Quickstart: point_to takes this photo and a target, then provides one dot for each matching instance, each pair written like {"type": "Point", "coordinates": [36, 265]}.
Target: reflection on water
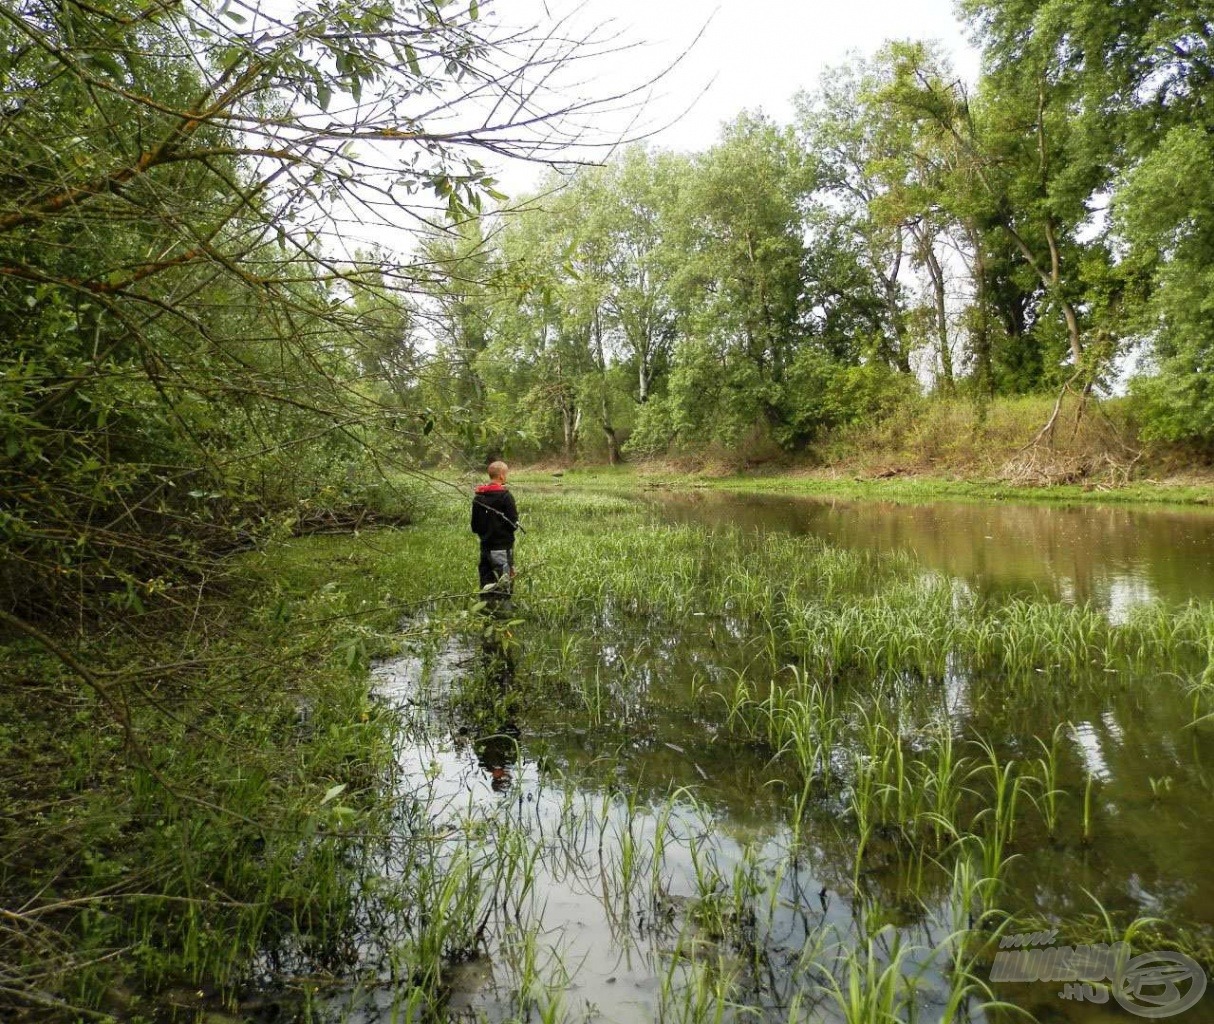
{"type": "Point", "coordinates": [1113, 557]}
{"type": "Point", "coordinates": [627, 854]}
{"type": "Point", "coordinates": [623, 876]}
{"type": "Point", "coordinates": [639, 817]}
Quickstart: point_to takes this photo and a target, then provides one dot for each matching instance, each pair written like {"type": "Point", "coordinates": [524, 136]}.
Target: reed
{"type": "Point", "coordinates": [1046, 799]}
{"type": "Point", "coordinates": [867, 988]}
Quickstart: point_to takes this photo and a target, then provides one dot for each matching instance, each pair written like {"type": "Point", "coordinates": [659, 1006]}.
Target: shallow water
{"type": "Point", "coordinates": [667, 879]}
{"type": "Point", "coordinates": [1112, 556]}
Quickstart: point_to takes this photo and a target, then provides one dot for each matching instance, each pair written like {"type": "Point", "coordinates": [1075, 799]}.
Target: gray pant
{"type": "Point", "coordinates": [496, 570]}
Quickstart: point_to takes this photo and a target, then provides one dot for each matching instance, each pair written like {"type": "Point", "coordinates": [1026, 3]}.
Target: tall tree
{"type": "Point", "coordinates": [739, 287]}
{"type": "Point", "coordinates": [1039, 166]}
{"type": "Point", "coordinates": [841, 127]}
{"type": "Point", "coordinates": [637, 203]}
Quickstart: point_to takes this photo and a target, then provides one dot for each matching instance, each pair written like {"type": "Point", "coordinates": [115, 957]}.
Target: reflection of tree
{"type": "Point", "coordinates": [1076, 553]}
{"type": "Point", "coordinates": [669, 734]}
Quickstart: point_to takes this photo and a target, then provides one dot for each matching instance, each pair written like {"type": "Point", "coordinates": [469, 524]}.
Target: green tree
{"type": "Point", "coordinates": [1040, 157]}
{"type": "Point", "coordinates": [739, 290]}
{"type": "Point", "coordinates": [841, 127]}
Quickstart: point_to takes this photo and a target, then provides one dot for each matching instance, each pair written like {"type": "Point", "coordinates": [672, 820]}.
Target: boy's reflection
{"type": "Point", "coordinates": [496, 756]}
{"type": "Point", "coordinates": [497, 753]}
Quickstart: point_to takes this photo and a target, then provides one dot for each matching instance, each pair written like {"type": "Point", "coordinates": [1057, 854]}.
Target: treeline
{"type": "Point", "coordinates": [1048, 231]}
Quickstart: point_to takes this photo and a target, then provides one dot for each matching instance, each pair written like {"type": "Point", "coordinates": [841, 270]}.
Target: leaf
{"type": "Point", "coordinates": [333, 792]}
{"type": "Point", "coordinates": [474, 10]}
{"type": "Point", "coordinates": [235, 16]}
{"type": "Point", "coordinates": [414, 64]}
{"type": "Point", "coordinates": [324, 93]}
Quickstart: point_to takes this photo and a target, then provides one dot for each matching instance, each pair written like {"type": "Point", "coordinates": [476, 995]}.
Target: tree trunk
{"type": "Point", "coordinates": [644, 358]}
{"type": "Point", "coordinates": [980, 335]}
{"type": "Point", "coordinates": [613, 445]}
{"type": "Point", "coordinates": [936, 273]}
{"type": "Point", "coordinates": [889, 285]}
{"type": "Point", "coordinates": [568, 427]}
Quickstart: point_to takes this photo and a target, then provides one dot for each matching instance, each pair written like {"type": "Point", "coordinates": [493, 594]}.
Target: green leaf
{"type": "Point", "coordinates": [474, 10]}
{"type": "Point", "coordinates": [324, 93]}
{"type": "Point", "coordinates": [334, 792]}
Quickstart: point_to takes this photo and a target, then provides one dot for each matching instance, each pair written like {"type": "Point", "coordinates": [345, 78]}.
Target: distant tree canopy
{"type": "Point", "coordinates": [1028, 234]}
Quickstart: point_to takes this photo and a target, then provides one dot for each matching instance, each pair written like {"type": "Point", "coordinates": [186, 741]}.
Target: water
{"type": "Point", "coordinates": [1111, 556]}
{"type": "Point", "coordinates": [666, 876]}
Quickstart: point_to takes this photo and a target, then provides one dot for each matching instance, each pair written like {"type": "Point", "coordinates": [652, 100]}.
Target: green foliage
{"type": "Point", "coordinates": [1134, 85]}
{"type": "Point", "coordinates": [826, 396]}
{"type": "Point", "coordinates": [1166, 209]}
{"type": "Point", "coordinates": [957, 235]}
{"type": "Point", "coordinates": [217, 820]}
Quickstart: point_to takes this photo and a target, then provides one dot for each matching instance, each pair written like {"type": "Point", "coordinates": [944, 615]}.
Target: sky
{"type": "Point", "coordinates": [731, 55]}
{"type": "Point", "coordinates": [685, 67]}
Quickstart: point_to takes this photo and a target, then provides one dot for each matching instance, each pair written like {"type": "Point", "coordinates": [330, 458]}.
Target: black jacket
{"type": "Point", "coordinates": [494, 517]}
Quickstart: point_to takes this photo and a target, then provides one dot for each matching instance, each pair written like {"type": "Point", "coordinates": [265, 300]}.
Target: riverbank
{"type": "Point", "coordinates": [942, 448]}
{"type": "Point", "coordinates": [185, 792]}
{"type": "Point", "coordinates": [1194, 490]}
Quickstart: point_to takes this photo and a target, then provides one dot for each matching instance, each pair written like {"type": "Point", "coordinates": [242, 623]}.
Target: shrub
{"type": "Point", "coordinates": [822, 395]}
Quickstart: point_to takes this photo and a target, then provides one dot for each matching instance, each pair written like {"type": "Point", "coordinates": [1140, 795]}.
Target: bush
{"type": "Point", "coordinates": [822, 395]}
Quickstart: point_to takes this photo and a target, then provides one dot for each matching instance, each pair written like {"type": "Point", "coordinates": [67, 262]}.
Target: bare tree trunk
{"type": "Point", "coordinates": [981, 334]}
{"type": "Point", "coordinates": [613, 445]}
{"type": "Point", "coordinates": [569, 428]}
{"type": "Point", "coordinates": [889, 286]}
{"type": "Point", "coordinates": [936, 273]}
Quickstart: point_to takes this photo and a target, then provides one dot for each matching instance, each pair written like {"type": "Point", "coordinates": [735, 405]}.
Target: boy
{"type": "Point", "coordinates": [494, 520]}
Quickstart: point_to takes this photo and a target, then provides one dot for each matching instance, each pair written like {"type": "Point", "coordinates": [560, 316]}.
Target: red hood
{"type": "Point", "coordinates": [489, 488]}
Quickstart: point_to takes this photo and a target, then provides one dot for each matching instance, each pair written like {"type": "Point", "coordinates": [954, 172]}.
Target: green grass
{"type": "Point", "coordinates": [910, 489]}
{"type": "Point", "coordinates": [211, 809]}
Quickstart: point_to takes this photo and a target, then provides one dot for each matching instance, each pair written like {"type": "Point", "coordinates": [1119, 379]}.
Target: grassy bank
{"type": "Point", "coordinates": [184, 791]}
{"type": "Point", "coordinates": [810, 482]}
{"type": "Point", "coordinates": [939, 447]}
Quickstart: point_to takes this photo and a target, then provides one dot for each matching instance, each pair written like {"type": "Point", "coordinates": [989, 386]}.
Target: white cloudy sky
{"type": "Point", "coordinates": [749, 54]}
{"type": "Point", "coordinates": [712, 59]}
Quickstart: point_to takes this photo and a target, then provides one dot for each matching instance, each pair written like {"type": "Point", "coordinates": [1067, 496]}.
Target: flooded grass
{"type": "Point", "coordinates": [704, 775]}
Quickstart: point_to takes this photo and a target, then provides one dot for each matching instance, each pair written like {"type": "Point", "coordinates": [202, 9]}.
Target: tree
{"type": "Point", "coordinates": [841, 127]}
{"type": "Point", "coordinates": [739, 286]}
{"type": "Point", "coordinates": [1041, 159]}
{"type": "Point", "coordinates": [177, 179]}
{"type": "Point", "coordinates": [638, 201]}
{"type": "Point", "coordinates": [545, 321]}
